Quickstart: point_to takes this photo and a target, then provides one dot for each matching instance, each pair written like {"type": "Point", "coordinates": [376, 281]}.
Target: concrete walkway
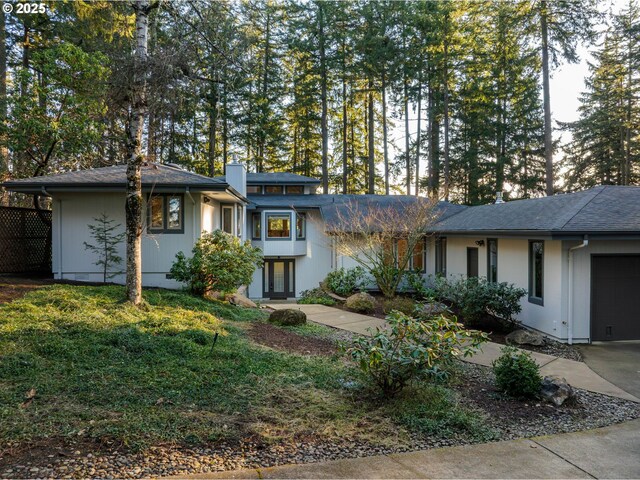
{"type": "Point", "coordinates": [610, 452]}
{"type": "Point", "coordinates": [578, 374]}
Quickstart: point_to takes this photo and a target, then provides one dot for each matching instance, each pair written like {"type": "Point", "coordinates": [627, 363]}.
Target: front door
{"type": "Point", "coordinates": [472, 262]}
{"type": "Point", "coordinates": [279, 278]}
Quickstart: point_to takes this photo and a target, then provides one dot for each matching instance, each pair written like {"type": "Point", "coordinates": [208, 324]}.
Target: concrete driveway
{"type": "Point", "coordinates": [617, 362]}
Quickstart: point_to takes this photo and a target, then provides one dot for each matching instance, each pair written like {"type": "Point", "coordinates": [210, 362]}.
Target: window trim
{"type": "Point", "coordinates": [302, 215]}
{"type": "Point", "coordinates": [489, 241]}
{"type": "Point", "coordinates": [165, 213]}
{"type": "Point", "coordinates": [266, 224]}
{"type": "Point", "coordinates": [253, 226]}
{"type": "Point", "coordinates": [222, 209]}
{"type": "Point", "coordinates": [531, 298]}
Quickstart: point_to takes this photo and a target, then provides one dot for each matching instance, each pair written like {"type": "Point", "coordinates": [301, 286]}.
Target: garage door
{"type": "Point", "coordinates": [615, 297]}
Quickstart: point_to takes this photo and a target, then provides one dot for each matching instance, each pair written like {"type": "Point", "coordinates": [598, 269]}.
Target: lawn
{"type": "Point", "coordinates": [111, 374]}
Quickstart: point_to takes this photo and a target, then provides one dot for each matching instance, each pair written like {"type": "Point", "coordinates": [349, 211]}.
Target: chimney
{"type": "Point", "coordinates": [236, 175]}
{"type": "Point", "coordinates": [499, 198]}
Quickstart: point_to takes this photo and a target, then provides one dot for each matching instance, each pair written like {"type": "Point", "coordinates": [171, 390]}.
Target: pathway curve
{"type": "Point", "coordinates": [578, 374]}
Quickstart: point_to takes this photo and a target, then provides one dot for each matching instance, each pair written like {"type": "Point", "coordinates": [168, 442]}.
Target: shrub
{"type": "Point", "coordinates": [361, 302]}
{"type": "Point", "coordinates": [220, 262]}
{"type": "Point", "coordinates": [346, 281]}
{"type": "Point", "coordinates": [517, 374]}
{"type": "Point", "coordinates": [316, 296]}
{"type": "Point", "coordinates": [408, 349]}
{"type": "Point", "coordinates": [416, 284]}
{"type": "Point", "coordinates": [401, 304]}
{"type": "Point", "coordinates": [476, 297]}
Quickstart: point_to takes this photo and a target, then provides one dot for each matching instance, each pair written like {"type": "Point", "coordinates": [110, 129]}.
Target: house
{"type": "Point", "coordinates": [577, 255]}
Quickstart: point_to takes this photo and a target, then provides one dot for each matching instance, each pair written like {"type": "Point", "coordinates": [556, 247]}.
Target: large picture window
{"type": "Point", "coordinates": [279, 226]}
{"type": "Point", "coordinates": [536, 271]}
{"type": "Point", "coordinates": [165, 213]}
{"type": "Point", "coordinates": [396, 250]}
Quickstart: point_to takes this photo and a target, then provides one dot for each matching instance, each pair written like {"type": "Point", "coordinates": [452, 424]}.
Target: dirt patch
{"type": "Point", "coordinates": [280, 339]}
{"type": "Point", "coordinates": [14, 288]}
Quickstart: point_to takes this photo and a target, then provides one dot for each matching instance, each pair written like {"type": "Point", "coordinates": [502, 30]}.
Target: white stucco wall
{"type": "Point", "coordinates": [72, 213]}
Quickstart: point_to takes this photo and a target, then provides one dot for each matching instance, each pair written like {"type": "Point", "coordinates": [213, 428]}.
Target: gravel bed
{"type": "Point", "coordinates": [509, 418]}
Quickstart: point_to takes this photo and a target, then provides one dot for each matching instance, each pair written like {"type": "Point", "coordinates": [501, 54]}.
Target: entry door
{"type": "Point", "coordinates": [472, 262]}
{"type": "Point", "coordinates": [615, 298]}
{"type": "Point", "coordinates": [279, 278]}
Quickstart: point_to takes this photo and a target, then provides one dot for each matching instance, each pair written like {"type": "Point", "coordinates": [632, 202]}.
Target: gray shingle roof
{"type": "Point", "coordinates": [277, 178]}
{"type": "Point", "coordinates": [331, 205]}
{"type": "Point", "coordinates": [603, 209]}
{"type": "Point", "coordinates": [153, 175]}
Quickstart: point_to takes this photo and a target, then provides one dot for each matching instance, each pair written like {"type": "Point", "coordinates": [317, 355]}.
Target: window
{"type": "Point", "coordinates": [227, 219]}
{"type": "Point", "coordinates": [279, 226]}
{"type": "Point", "coordinates": [472, 262]}
{"type": "Point", "coordinates": [536, 271]}
{"type": "Point", "coordinates": [417, 262]}
{"type": "Point", "coordinates": [256, 226]}
{"type": "Point", "coordinates": [165, 213]}
{"type": "Point", "coordinates": [301, 226]}
{"type": "Point", "coordinates": [492, 260]}
{"type": "Point", "coordinates": [273, 189]}
{"type": "Point", "coordinates": [239, 222]}
{"type": "Point", "coordinates": [254, 189]}
{"type": "Point", "coordinates": [441, 256]}
{"type": "Point", "coordinates": [295, 190]}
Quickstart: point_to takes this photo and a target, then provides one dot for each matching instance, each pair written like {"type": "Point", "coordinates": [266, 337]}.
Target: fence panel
{"type": "Point", "coordinates": [25, 240]}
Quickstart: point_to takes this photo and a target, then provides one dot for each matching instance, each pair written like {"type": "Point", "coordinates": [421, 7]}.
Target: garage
{"type": "Point", "coordinates": [615, 297]}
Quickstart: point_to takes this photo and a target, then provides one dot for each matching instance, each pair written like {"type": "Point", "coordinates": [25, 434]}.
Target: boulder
{"type": "Point", "coordinates": [524, 337]}
{"type": "Point", "coordinates": [288, 317]}
{"type": "Point", "coordinates": [361, 302]}
{"type": "Point", "coordinates": [432, 309]}
{"type": "Point", "coordinates": [556, 390]}
{"type": "Point", "coordinates": [241, 301]}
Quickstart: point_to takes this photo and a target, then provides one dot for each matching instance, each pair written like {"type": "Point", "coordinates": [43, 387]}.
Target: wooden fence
{"type": "Point", "coordinates": [25, 240]}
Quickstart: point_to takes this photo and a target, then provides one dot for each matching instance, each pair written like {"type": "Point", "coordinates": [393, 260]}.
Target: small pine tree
{"type": "Point", "coordinates": [106, 242]}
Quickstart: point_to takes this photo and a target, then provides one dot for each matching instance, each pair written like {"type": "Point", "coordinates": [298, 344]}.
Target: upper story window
{"type": "Point", "coordinates": [536, 271]}
{"type": "Point", "coordinates": [256, 226]}
{"type": "Point", "coordinates": [273, 189]}
{"type": "Point", "coordinates": [301, 226]}
{"type": "Point", "coordinates": [279, 226]}
{"type": "Point", "coordinates": [295, 189]}
{"type": "Point", "coordinates": [166, 213]}
{"type": "Point", "coordinates": [227, 219]}
{"type": "Point", "coordinates": [441, 256]}
{"type": "Point", "coordinates": [492, 260]}
{"type": "Point", "coordinates": [254, 188]}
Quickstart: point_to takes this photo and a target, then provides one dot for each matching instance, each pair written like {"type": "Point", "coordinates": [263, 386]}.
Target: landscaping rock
{"type": "Point", "coordinates": [361, 302]}
{"type": "Point", "coordinates": [556, 390]}
{"type": "Point", "coordinates": [524, 337]}
{"type": "Point", "coordinates": [288, 317]}
{"type": "Point", "coordinates": [433, 309]}
{"type": "Point", "coordinates": [241, 301]}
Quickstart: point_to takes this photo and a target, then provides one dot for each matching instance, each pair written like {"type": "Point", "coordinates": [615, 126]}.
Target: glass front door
{"type": "Point", "coordinates": [279, 278]}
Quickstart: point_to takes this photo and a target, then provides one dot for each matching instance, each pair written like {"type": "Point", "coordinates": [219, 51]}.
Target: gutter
{"type": "Point", "coordinates": [585, 242]}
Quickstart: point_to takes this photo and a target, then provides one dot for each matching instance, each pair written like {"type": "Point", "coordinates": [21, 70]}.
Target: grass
{"type": "Point", "coordinates": [104, 370]}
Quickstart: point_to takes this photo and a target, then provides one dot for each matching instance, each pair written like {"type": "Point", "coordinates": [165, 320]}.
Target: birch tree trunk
{"type": "Point", "coordinates": [134, 130]}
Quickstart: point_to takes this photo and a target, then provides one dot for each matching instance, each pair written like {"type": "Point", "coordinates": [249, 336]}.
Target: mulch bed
{"type": "Point", "coordinates": [280, 339]}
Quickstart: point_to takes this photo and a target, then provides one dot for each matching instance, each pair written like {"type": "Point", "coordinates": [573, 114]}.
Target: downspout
{"type": "Point", "coordinates": [193, 214]}
{"type": "Point", "coordinates": [585, 242]}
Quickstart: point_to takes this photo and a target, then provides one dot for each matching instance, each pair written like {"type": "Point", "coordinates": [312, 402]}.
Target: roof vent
{"type": "Point", "coordinates": [499, 198]}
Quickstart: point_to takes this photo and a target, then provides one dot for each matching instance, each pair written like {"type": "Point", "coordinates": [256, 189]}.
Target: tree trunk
{"type": "Point", "coordinates": [135, 125]}
{"type": "Point", "coordinates": [548, 141]}
{"type": "Point", "coordinates": [384, 133]}
{"type": "Point", "coordinates": [213, 124]}
{"type": "Point", "coordinates": [370, 133]}
{"type": "Point", "coordinates": [418, 136]}
{"type": "Point", "coordinates": [446, 121]}
{"type": "Point", "coordinates": [323, 96]}
{"type": "Point", "coordinates": [225, 127]}
{"type": "Point", "coordinates": [407, 136]}
{"type": "Point", "coordinates": [4, 152]}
